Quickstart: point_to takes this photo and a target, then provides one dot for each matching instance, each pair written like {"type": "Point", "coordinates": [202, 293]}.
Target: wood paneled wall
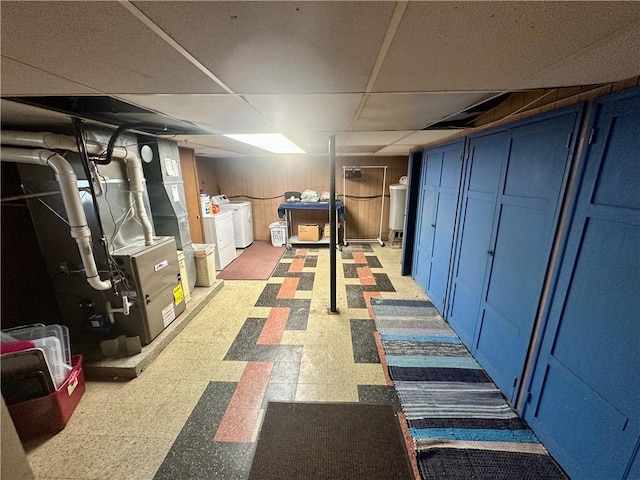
{"type": "Point", "coordinates": [263, 181]}
{"type": "Point", "coordinates": [191, 193]}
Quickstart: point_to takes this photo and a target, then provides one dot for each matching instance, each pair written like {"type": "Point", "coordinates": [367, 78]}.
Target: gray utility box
{"type": "Point", "coordinates": [154, 287]}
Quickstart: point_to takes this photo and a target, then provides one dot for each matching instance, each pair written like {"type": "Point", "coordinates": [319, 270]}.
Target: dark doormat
{"type": "Point", "coordinates": [256, 262]}
{"type": "Point", "coordinates": [314, 441]}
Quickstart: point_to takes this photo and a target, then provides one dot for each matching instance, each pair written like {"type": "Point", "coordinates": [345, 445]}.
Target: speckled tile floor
{"type": "Point", "coordinates": [195, 412]}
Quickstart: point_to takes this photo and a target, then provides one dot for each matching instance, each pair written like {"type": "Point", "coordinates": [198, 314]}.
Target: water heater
{"type": "Point", "coordinates": [398, 194]}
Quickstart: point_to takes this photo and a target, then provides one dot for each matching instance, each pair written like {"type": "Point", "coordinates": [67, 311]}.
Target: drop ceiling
{"type": "Point", "coordinates": [378, 75]}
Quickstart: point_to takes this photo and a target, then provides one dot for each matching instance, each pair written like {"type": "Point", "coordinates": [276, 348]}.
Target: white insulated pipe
{"type": "Point", "coordinates": [64, 142]}
{"type": "Point", "coordinates": [136, 177]}
{"type": "Point", "coordinates": [68, 182]}
{"type": "Point", "coordinates": [38, 140]}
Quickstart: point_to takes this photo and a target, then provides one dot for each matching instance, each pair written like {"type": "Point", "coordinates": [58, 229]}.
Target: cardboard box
{"type": "Point", "coordinates": [309, 232]}
{"type": "Point", "coordinates": [327, 229]}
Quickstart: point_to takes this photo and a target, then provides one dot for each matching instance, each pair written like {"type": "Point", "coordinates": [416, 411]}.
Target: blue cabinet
{"type": "Point", "coordinates": [512, 192]}
{"type": "Point", "coordinates": [440, 182]}
{"type": "Point", "coordinates": [585, 389]}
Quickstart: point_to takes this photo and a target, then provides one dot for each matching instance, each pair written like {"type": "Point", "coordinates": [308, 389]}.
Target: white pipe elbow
{"type": "Point", "coordinates": [98, 284]}
{"type": "Point", "coordinates": [136, 179]}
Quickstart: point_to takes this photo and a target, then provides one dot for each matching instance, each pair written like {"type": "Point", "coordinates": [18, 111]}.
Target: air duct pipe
{"type": "Point", "coordinates": [68, 182]}
{"type": "Point", "coordinates": [63, 142]}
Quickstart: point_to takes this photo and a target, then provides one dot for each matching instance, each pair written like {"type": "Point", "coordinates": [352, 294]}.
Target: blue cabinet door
{"type": "Point", "coordinates": [525, 218]}
{"type": "Point", "coordinates": [585, 389]}
{"type": "Point", "coordinates": [423, 244]}
{"type": "Point", "coordinates": [441, 181]}
{"type": "Point", "coordinates": [511, 202]}
{"type": "Point", "coordinates": [487, 155]}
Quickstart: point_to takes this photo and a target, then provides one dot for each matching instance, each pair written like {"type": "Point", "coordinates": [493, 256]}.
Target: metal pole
{"type": "Point", "coordinates": [332, 222]}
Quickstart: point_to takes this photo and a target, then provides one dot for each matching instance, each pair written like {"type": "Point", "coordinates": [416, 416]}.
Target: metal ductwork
{"type": "Point", "coordinates": [132, 163]}
{"type": "Point", "coordinates": [68, 182]}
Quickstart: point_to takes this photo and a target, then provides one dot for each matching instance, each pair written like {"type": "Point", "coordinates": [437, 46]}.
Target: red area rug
{"type": "Point", "coordinates": [257, 262]}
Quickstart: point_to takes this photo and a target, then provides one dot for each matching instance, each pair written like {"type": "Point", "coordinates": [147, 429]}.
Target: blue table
{"type": "Point", "coordinates": [285, 209]}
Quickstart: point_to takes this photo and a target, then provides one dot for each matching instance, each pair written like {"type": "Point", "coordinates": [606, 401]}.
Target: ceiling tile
{"type": "Point", "coordinates": [294, 113]}
{"type": "Point", "coordinates": [394, 150]}
{"type": "Point", "coordinates": [588, 64]}
{"type": "Point", "coordinates": [97, 44]}
{"type": "Point", "coordinates": [218, 141]}
{"type": "Point", "coordinates": [201, 151]}
{"type": "Point", "coordinates": [375, 138]}
{"type": "Point", "coordinates": [218, 113]}
{"type": "Point", "coordinates": [18, 115]}
{"type": "Point", "coordinates": [448, 46]}
{"type": "Point", "coordinates": [364, 149]}
{"type": "Point", "coordinates": [279, 47]}
{"type": "Point", "coordinates": [424, 137]}
{"type": "Point", "coordinates": [21, 79]}
{"type": "Point", "coordinates": [412, 111]}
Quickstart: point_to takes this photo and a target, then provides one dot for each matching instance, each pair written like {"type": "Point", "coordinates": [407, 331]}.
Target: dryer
{"type": "Point", "coordinates": [218, 229]}
{"type": "Point", "coordinates": [242, 219]}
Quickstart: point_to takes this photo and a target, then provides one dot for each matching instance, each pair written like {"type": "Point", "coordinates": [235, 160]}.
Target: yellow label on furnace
{"type": "Point", "coordinates": [178, 295]}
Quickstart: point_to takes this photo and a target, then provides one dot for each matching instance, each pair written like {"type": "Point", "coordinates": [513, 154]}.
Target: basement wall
{"type": "Point", "coordinates": [263, 181]}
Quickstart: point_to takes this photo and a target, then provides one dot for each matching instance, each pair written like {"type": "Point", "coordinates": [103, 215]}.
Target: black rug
{"type": "Point", "coordinates": [314, 441]}
{"type": "Point", "coordinates": [454, 464]}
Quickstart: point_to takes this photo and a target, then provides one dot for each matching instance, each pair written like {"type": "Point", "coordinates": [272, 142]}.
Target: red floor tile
{"type": "Point", "coordinates": [359, 257]}
{"type": "Point", "coordinates": [296, 265]}
{"type": "Point", "coordinates": [239, 420]}
{"type": "Point", "coordinates": [274, 326]}
{"type": "Point", "coordinates": [288, 288]}
{"type": "Point", "coordinates": [367, 299]}
{"type": "Point", "coordinates": [365, 276]}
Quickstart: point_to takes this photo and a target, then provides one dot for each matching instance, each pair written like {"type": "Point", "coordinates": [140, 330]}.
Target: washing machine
{"type": "Point", "coordinates": [242, 219]}
{"type": "Point", "coordinates": [218, 229]}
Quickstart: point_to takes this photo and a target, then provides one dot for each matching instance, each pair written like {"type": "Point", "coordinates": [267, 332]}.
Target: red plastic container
{"type": "Point", "coordinates": [50, 414]}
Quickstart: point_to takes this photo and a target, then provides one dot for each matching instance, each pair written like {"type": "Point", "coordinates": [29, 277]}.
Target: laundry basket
{"type": "Point", "coordinates": [278, 234]}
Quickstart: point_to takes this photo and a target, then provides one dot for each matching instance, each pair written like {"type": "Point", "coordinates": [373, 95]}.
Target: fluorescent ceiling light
{"type": "Point", "coordinates": [272, 142]}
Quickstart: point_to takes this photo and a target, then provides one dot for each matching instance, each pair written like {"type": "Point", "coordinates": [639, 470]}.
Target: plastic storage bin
{"type": "Point", "coordinates": [50, 414]}
{"type": "Point", "coordinates": [205, 264]}
{"type": "Point", "coordinates": [53, 340]}
{"type": "Point", "coordinates": [278, 234]}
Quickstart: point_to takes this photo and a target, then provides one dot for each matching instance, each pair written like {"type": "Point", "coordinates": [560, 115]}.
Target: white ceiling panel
{"type": "Point", "coordinates": [364, 149]}
{"type": "Point", "coordinates": [97, 44]}
{"type": "Point", "coordinates": [219, 113]}
{"type": "Point", "coordinates": [448, 46]}
{"type": "Point", "coordinates": [375, 138]}
{"type": "Point", "coordinates": [21, 79]}
{"type": "Point", "coordinates": [424, 137]}
{"type": "Point", "coordinates": [307, 69]}
{"type": "Point", "coordinates": [279, 47]}
{"type": "Point", "coordinates": [587, 64]}
{"type": "Point", "coordinates": [316, 142]}
{"type": "Point", "coordinates": [17, 115]}
{"type": "Point", "coordinates": [217, 141]}
{"type": "Point", "coordinates": [394, 150]}
{"type": "Point", "coordinates": [412, 111]}
{"type": "Point", "coordinates": [293, 113]}
{"type": "Point", "coordinates": [214, 152]}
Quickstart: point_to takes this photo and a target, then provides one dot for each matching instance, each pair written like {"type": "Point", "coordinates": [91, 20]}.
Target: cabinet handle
{"type": "Point", "coordinates": [433, 225]}
{"type": "Point", "coordinates": [490, 253]}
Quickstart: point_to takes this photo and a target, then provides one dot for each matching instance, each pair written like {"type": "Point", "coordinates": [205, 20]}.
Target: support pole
{"type": "Point", "coordinates": [332, 222]}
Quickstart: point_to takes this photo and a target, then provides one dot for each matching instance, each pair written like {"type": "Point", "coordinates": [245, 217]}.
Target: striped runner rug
{"type": "Point", "coordinates": [460, 423]}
